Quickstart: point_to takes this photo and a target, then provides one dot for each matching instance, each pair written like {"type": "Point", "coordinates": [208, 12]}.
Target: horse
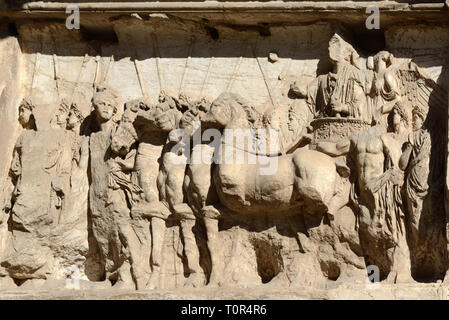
{"type": "Point", "coordinates": [303, 180]}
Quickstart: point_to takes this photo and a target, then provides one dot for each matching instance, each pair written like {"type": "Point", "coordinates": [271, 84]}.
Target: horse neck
{"type": "Point", "coordinates": [233, 126]}
{"type": "Point", "coordinates": [234, 133]}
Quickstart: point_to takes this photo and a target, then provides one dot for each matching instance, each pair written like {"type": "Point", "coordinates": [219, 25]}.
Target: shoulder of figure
{"type": "Point", "coordinates": [25, 135]}
{"type": "Point", "coordinates": [387, 137]}
{"type": "Point", "coordinates": [389, 76]}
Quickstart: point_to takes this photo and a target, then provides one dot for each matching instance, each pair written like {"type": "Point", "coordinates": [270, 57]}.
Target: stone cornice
{"type": "Point", "coordinates": [238, 12]}
{"type": "Point", "coordinates": [222, 7]}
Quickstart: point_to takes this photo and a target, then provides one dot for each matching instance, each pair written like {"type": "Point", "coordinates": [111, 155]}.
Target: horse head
{"type": "Point", "coordinates": [164, 117]}
{"type": "Point", "coordinates": [192, 116]}
{"type": "Point", "coordinates": [230, 110]}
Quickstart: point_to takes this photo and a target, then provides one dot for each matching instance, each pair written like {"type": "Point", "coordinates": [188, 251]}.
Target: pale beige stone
{"type": "Point", "coordinates": [107, 186]}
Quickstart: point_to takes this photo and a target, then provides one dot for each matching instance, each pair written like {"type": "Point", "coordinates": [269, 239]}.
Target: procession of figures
{"type": "Point", "coordinates": [363, 136]}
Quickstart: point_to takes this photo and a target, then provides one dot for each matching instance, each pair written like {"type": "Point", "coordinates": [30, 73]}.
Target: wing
{"type": "Point", "coordinates": [419, 89]}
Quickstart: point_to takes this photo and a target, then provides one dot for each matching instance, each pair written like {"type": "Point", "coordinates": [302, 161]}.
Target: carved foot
{"type": "Point", "coordinates": [195, 280]}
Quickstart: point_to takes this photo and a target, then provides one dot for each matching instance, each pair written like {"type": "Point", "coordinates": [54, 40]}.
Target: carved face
{"type": "Point", "coordinates": [165, 119]}
{"type": "Point", "coordinates": [60, 117]}
{"type": "Point", "coordinates": [73, 120]}
{"type": "Point", "coordinates": [24, 115]}
{"type": "Point", "coordinates": [396, 119]}
{"type": "Point", "coordinates": [417, 121]}
{"type": "Point", "coordinates": [104, 110]}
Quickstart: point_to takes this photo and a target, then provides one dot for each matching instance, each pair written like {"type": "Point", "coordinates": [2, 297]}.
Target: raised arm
{"type": "Point", "coordinates": [392, 89]}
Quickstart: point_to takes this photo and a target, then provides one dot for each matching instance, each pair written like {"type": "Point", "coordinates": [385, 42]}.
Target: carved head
{"type": "Point", "coordinates": [165, 116]}
{"type": "Point", "coordinates": [418, 117]}
{"type": "Point", "coordinates": [230, 108]}
{"type": "Point", "coordinates": [105, 103]}
{"type": "Point", "coordinates": [184, 102]}
{"type": "Point", "coordinates": [194, 113]}
{"type": "Point", "coordinates": [341, 50]}
{"type": "Point", "coordinates": [133, 107]}
{"type": "Point", "coordinates": [166, 96]}
{"type": "Point", "coordinates": [60, 117]}
{"type": "Point", "coordinates": [26, 111]}
{"type": "Point", "coordinates": [75, 117]}
{"type": "Point", "coordinates": [382, 60]}
{"type": "Point", "coordinates": [126, 133]}
{"type": "Point", "coordinates": [399, 115]}
{"type": "Point", "coordinates": [124, 137]}
{"type": "Point", "coordinates": [300, 88]}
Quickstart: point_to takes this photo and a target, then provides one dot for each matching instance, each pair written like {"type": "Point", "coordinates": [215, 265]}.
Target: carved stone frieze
{"type": "Point", "coordinates": [172, 152]}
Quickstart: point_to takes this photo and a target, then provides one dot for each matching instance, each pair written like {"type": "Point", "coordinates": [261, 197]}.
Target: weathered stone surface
{"type": "Point", "coordinates": [171, 148]}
